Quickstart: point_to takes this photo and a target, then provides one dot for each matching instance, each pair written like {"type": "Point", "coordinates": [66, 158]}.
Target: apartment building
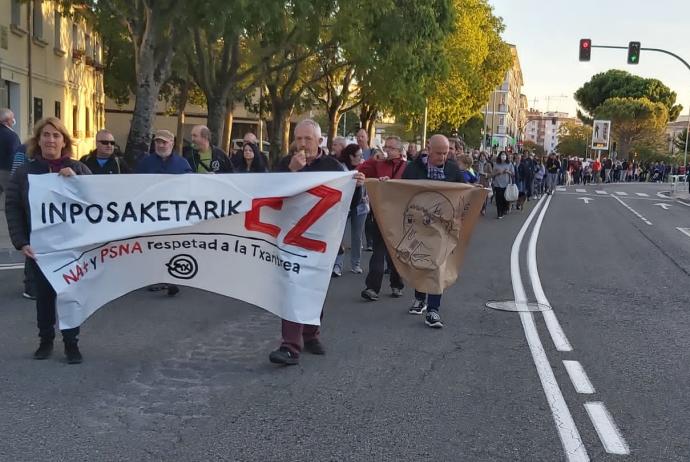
{"type": "Point", "coordinates": [542, 127]}
{"type": "Point", "coordinates": [51, 65]}
{"type": "Point", "coordinates": [505, 109]}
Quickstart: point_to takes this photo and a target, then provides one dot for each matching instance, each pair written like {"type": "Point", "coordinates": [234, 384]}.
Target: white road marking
{"type": "Point", "coordinates": [684, 203]}
{"type": "Point", "coordinates": [557, 335]}
{"type": "Point", "coordinates": [560, 188]}
{"type": "Point", "coordinates": [633, 211]}
{"type": "Point", "coordinates": [664, 206]}
{"type": "Point", "coordinates": [579, 377]}
{"type": "Point", "coordinates": [567, 430]}
{"type": "Point", "coordinates": [608, 432]}
{"type": "Point", "coordinates": [601, 192]}
{"type": "Point", "coordinates": [586, 199]}
{"type": "Point", "coordinates": [642, 194]}
{"type": "Point", "coordinates": [581, 190]}
{"type": "Point", "coordinates": [621, 193]}
{"type": "Point", "coordinates": [685, 231]}
{"type": "Point", "coordinates": [12, 266]}
{"type": "Point", "coordinates": [662, 195]}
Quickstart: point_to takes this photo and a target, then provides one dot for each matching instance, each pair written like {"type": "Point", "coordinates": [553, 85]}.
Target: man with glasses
{"type": "Point", "coordinates": [104, 160]}
{"type": "Point", "coordinates": [392, 167]}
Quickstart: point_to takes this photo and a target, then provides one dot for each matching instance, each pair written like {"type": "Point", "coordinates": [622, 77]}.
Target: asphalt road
{"type": "Point", "coordinates": [188, 378]}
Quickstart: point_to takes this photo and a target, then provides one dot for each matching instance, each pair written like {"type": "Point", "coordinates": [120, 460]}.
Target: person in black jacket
{"type": "Point", "coordinates": [203, 157]}
{"type": "Point", "coordinates": [9, 142]}
{"type": "Point", "coordinates": [104, 160]}
{"type": "Point", "coordinates": [250, 161]}
{"type": "Point", "coordinates": [432, 166]}
{"type": "Point", "coordinates": [308, 158]}
{"type": "Point", "coordinates": [50, 150]}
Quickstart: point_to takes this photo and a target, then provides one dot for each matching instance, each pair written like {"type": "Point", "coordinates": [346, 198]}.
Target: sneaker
{"type": "Point", "coordinates": [357, 269]}
{"type": "Point", "coordinates": [45, 349]}
{"type": "Point", "coordinates": [28, 296]}
{"type": "Point", "coordinates": [72, 353]}
{"type": "Point", "coordinates": [433, 319]}
{"type": "Point", "coordinates": [314, 346]}
{"type": "Point", "coordinates": [337, 272]}
{"type": "Point", "coordinates": [173, 290]}
{"type": "Point", "coordinates": [284, 355]}
{"type": "Point", "coordinates": [418, 307]}
{"type": "Point", "coordinates": [396, 293]}
{"type": "Point", "coordinates": [370, 294]}
{"type": "Point", "coordinates": [369, 248]}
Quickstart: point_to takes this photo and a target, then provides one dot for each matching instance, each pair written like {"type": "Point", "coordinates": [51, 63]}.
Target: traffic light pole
{"type": "Point", "coordinates": [659, 50]}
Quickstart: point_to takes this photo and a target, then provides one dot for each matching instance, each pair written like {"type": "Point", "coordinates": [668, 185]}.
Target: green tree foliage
{"type": "Point", "coordinates": [634, 122]}
{"type": "Point", "coordinates": [477, 61]}
{"type": "Point", "coordinates": [622, 84]}
{"type": "Point", "coordinates": [679, 140]}
{"type": "Point", "coordinates": [574, 139]}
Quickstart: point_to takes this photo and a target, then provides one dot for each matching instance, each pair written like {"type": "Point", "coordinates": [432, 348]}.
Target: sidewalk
{"type": "Point", "coordinates": [7, 252]}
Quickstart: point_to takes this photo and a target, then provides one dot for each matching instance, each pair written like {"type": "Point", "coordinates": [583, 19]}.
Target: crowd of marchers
{"type": "Point", "coordinates": [511, 178]}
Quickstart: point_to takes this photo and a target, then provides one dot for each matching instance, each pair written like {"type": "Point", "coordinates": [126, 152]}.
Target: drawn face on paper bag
{"type": "Point", "coordinates": [429, 231]}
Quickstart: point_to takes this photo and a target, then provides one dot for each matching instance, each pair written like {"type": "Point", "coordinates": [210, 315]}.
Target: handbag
{"type": "Point", "coordinates": [512, 192]}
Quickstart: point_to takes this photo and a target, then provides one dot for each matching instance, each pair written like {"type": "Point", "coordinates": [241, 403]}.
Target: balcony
{"type": "Point", "coordinates": [78, 54]}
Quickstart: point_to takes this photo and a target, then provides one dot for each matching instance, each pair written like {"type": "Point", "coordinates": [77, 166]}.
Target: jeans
{"type": "Point", "coordinates": [501, 203]}
{"type": "Point", "coordinates": [433, 301]}
{"type": "Point", "coordinates": [376, 265]}
{"type": "Point", "coordinates": [45, 309]}
{"type": "Point", "coordinates": [29, 277]}
{"type": "Point", "coordinates": [551, 181]}
{"type": "Point", "coordinates": [356, 228]}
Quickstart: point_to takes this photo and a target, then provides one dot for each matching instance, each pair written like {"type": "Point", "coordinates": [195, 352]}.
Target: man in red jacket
{"type": "Point", "coordinates": [390, 166]}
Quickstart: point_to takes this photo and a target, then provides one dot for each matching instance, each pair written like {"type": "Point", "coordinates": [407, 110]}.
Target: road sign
{"type": "Point", "coordinates": [600, 134]}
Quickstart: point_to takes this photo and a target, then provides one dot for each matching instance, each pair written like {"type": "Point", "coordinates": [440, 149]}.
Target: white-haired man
{"type": "Point", "coordinates": [9, 143]}
{"type": "Point", "coordinates": [308, 158]}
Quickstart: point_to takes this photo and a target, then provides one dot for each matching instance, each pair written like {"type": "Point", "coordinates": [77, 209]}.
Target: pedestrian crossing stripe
{"type": "Point", "coordinates": [581, 190]}
{"type": "Point", "coordinates": [601, 192]}
{"type": "Point", "coordinates": [560, 188]}
{"type": "Point", "coordinates": [621, 193]}
{"type": "Point", "coordinates": [642, 194]}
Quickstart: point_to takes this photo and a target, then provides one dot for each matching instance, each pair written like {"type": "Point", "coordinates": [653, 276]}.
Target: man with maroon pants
{"type": "Point", "coordinates": [309, 158]}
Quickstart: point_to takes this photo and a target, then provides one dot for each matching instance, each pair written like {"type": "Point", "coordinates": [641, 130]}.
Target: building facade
{"type": "Point", "coordinates": [542, 128]}
{"type": "Point", "coordinates": [506, 105]}
{"type": "Point", "coordinates": [673, 129]}
{"type": "Point", "coordinates": [51, 65]}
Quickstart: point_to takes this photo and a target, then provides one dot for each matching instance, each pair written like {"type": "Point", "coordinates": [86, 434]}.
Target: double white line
{"type": "Point", "coordinates": [567, 430]}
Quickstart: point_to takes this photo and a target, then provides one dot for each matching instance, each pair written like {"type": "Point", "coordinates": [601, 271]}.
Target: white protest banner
{"type": "Point", "coordinates": [269, 239]}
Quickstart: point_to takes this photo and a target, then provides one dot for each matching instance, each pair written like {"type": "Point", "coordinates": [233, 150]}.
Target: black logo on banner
{"type": "Point", "coordinates": [182, 267]}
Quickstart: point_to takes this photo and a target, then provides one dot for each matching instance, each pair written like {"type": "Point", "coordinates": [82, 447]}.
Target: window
{"type": "Point", "coordinates": [87, 122]}
{"type": "Point", "coordinates": [58, 31]}
{"type": "Point", "coordinates": [4, 93]}
{"type": "Point", "coordinates": [16, 13]}
{"type": "Point", "coordinates": [75, 121]}
{"type": "Point", "coordinates": [38, 109]}
{"type": "Point", "coordinates": [87, 47]}
{"type": "Point", "coordinates": [58, 109]}
{"type": "Point", "coordinates": [38, 19]}
{"type": "Point", "coordinates": [75, 37]}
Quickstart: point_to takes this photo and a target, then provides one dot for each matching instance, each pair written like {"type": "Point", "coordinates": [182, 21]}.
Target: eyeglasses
{"type": "Point", "coordinates": [107, 143]}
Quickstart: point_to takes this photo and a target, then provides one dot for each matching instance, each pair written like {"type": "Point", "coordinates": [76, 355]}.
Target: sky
{"type": "Point", "coordinates": [547, 35]}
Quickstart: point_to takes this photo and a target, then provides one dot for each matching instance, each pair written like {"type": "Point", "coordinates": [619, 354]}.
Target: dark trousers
{"type": "Point", "coordinates": [501, 202]}
{"type": "Point", "coordinates": [376, 264]}
{"type": "Point", "coordinates": [369, 226]}
{"type": "Point", "coordinates": [45, 309]}
{"type": "Point", "coordinates": [29, 277]}
{"type": "Point", "coordinates": [433, 301]}
{"type": "Point", "coordinates": [294, 334]}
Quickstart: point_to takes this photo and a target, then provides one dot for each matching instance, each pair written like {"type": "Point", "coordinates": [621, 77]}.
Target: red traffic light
{"type": "Point", "coordinates": [585, 49]}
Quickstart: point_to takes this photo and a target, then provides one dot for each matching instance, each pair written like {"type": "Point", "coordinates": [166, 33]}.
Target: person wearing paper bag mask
{"type": "Point", "coordinates": [309, 157]}
{"type": "Point", "coordinates": [434, 220]}
{"type": "Point", "coordinates": [50, 151]}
